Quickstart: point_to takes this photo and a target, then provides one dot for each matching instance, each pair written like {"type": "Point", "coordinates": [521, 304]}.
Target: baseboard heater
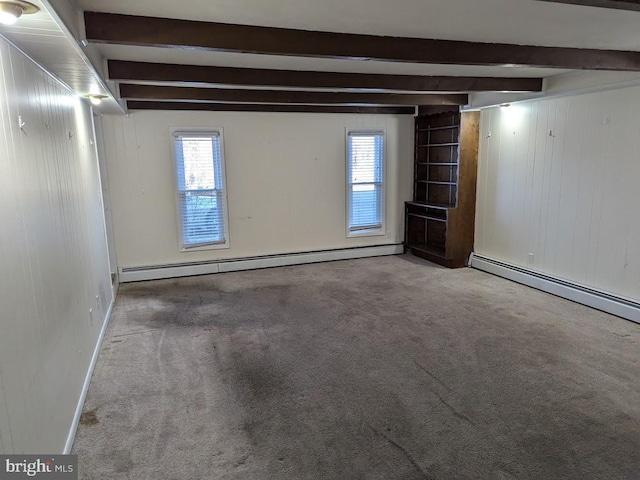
{"type": "Point", "coordinates": [156, 272]}
{"type": "Point", "coordinates": [606, 302]}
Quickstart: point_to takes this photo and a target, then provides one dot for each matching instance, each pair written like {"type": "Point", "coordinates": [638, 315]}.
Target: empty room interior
{"type": "Point", "coordinates": [355, 239]}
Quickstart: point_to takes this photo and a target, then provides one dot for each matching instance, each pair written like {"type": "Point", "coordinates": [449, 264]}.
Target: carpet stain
{"type": "Point", "coordinates": [89, 418]}
{"type": "Point", "coordinates": [369, 369]}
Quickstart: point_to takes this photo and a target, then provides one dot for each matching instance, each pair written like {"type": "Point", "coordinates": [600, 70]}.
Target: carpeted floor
{"type": "Point", "coordinates": [381, 368]}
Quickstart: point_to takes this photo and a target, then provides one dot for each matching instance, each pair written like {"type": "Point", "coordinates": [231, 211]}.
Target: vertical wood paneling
{"type": "Point", "coordinates": [104, 184]}
{"type": "Point", "coordinates": [483, 153]}
{"type": "Point", "coordinates": [555, 185]}
{"type": "Point", "coordinates": [572, 166]}
{"type": "Point", "coordinates": [53, 255]}
{"type": "Point", "coordinates": [536, 165]}
{"type": "Point", "coordinates": [560, 195]}
{"type": "Point", "coordinates": [492, 172]}
{"type": "Point", "coordinates": [588, 186]}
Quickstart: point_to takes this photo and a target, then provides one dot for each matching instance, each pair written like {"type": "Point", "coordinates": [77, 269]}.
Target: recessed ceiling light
{"type": "Point", "coordinates": [11, 11]}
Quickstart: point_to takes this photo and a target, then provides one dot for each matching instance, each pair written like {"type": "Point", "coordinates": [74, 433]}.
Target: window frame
{"type": "Point", "coordinates": [366, 231]}
{"type": "Point", "coordinates": [199, 131]}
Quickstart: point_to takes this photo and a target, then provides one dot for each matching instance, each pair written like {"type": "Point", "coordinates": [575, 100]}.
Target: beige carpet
{"type": "Point", "coordinates": [381, 368]}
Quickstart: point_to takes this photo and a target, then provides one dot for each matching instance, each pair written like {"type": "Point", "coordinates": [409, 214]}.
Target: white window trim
{"type": "Point", "coordinates": [366, 232]}
{"type": "Point", "coordinates": [176, 194]}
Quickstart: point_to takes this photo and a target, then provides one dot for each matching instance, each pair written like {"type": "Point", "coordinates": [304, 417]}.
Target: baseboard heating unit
{"type": "Point", "coordinates": [156, 272]}
{"type": "Point", "coordinates": [606, 302]}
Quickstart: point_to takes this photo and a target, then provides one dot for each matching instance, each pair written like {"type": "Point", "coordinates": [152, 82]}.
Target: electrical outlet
{"type": "Point", "coordinates": [531, 258]}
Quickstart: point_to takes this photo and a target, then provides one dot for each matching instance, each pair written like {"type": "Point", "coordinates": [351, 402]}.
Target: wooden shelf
{"type": "Point", "coordinates": [433, 129]}
{"type": "Point", "coordinates": [427, 217]}
{"type": "Point", "coordinates": [429, 205]}
{"type": "Point", "coordinates": [432, 249]}
{"type": "Point", "coordinates": [439, 145]}
{"type": "Point", "coordinates": [439, 221]}
{"type": "Point", "coordinates": [434, 182]}
{"type": "Point", "coordinates": [437, 164]}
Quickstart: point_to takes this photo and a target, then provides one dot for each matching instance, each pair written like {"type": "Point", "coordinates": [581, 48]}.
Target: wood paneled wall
{"type": "Point", "coordinates": [55, 287]}
{"type": "Point", "coordinates": [558, 189]}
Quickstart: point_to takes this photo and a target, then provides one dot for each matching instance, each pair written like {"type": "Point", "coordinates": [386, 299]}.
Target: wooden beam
{"type": "Point", "coordinates": [198, 74]}
{"type": "Point", "coordinates": [243, 107]}
{"type": "Point", "coordinates": [164, 32]}
{"type": "Point", "coordinates": [436, 109]}
{"type": "Point", "coordinates": [154, 92]}
{"type": "Point", "coordinates": [633, 5]}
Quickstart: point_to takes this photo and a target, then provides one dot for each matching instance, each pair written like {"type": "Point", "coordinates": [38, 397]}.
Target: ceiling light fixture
{"type": "Point", "coordinates": [95, 99]}
{"type": "Point", "coordinates": [11, 11]}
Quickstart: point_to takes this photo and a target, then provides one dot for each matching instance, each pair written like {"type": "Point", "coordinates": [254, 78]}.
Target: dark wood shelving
{"type": "Point", "coordinates": [439, 221]}
{"type": "Point", "coordinates": [430, 205]}
{"type": "Point", "coordinates": [439, 145]}
{"type": "Point", "coordinates": [433, 129]}
{"type": "Point", "coordinates": [436, 182]}
{"type": "Point", "coordinates": [430, 249]}
{"type": "Point", "coordinates": [427, 217]}
{"type": "Point", "coordinates": [437, 164]}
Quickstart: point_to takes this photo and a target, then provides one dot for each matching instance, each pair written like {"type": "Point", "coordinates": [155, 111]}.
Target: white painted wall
{"type": "Point", "coordinates": [53, 256]}
{"type": "Point", "coordinates": [558, 179]}
{"type": "Point", "coordinates": [285, 182]}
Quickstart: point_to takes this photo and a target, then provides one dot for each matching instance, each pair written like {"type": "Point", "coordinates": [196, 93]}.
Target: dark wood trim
{"type": "Point", "coordinates": [155, 92]}
{"type": "Point", "coordinates": [243, 107]}
{"type": "Point", "coordinates": [632, 5]}
{"type": "Point", "coordinates": [165, 32]}
{"type": "Point", "coordinates": [199, 74]}
{"type": "Point", "coordinates": [440, 260]}
{"type": "Point", "coordinates": [435, 109]}
{"type": "Point", "coordinates": [462, 219]}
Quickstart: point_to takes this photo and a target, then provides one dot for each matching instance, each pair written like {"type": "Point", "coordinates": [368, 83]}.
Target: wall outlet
{"type": "Point", "coordinates": [531, 258]}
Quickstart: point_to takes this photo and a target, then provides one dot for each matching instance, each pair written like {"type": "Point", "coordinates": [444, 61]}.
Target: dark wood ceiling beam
{"type": "Point", "coordinates": [632, 5]}
{"type": "Point", "coordinates": [243, 107]}
{"type": "Point", "coordinates": [198, 74]}
{"type": "Point", "coordinates": [154, 92]}
{"type": "Point", "coordinates": [164, 32]}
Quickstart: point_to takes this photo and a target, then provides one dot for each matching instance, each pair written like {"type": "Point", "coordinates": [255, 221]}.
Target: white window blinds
{"type": "Point", "coordinates": [201, 189]}
{"type": "Point", "coordinates": [365, 152]}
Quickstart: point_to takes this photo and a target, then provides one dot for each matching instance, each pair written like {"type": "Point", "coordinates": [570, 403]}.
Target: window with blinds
{"type": "Point", "coordinates": [201, 188]}
{"type": "Point", "coordinates": [365, 182]}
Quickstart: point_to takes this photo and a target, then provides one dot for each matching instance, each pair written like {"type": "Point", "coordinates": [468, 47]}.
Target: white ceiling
{"type": "Point", "coordinates": [509, 21]}
{"type": "Point", "coordinates": [45, 38]}
{"type": "Point", "coordinates": [526, 22]}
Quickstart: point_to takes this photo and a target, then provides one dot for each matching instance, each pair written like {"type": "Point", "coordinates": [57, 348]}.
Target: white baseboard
{"type": "Point", "coordinates": [157, 272]}
{"type": "Point", "coordinates": [87, 380]}
{"type": "Point", "coordinates": [599, 300]}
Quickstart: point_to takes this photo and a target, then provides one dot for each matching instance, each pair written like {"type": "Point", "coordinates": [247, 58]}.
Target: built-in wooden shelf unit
{"type": "Point", "coordinates": [439, 222]}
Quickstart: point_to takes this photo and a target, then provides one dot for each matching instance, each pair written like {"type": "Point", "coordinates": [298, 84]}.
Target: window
{"type": "Point", "coordinates": [365, 183]}
{"type": "Point", "coordinates": [201, 191]}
